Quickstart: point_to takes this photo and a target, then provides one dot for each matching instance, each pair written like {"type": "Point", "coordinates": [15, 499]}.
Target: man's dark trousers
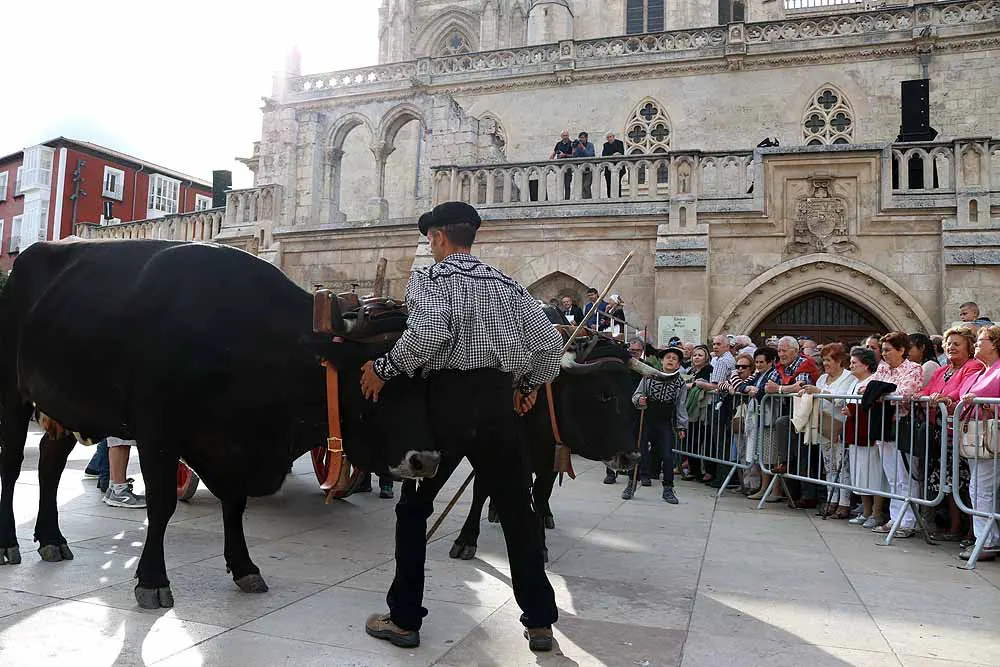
{"type": "Point", "coordinates": [472, 415]}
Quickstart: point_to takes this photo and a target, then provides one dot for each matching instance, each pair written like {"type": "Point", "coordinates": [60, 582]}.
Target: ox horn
{"type": "Point", "coordinates": [646, 370]}
{"type": "Point", "coordinates": [569, 364]}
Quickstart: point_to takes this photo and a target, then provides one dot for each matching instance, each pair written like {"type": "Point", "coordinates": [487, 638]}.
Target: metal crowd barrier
{"type": "Point", "coordinates": [786, 453]}
{"type": "Point", "coordinates": [971, 423]}
{"type": "Point", "coordinates": [716, 434]}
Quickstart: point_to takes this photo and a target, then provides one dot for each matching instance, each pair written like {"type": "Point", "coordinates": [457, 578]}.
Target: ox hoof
{"type": "Point", "coordinates": [463, 551]}
{"type": "Point", "coordinates": [549, 522]}
{"type": "Point", "coordinates": [492, 515]}
{"type": "Point", "coordinates": [54, 553]}
{"type": "Point", "coordinates": [11, 555]}
{"type": "Point", "coordinates": [252, 583]}
{"type": "Point", "coordinates": [154, 598]}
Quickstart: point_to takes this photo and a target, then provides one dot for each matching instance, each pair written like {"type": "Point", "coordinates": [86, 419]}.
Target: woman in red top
{"type": "Point", "coordinates": [943, 387]}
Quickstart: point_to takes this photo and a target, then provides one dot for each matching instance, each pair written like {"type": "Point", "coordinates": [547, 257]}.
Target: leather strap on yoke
{"type": "Point", "coordinates": [337, 474]}
{"type": "Point", "coordinates": [563, 463]}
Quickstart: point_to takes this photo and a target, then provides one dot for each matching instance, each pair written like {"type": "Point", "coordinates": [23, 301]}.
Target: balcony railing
{"type": "Point", "coordinates": [707, 42]}
{"type": "Point", "coordinates": [244, 208]}
{"type": "Point", "coordinates": [635, 178]}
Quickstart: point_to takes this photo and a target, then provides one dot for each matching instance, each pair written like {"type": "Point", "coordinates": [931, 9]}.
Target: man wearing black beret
{"type": "Point", "coordinates": [474, 333]}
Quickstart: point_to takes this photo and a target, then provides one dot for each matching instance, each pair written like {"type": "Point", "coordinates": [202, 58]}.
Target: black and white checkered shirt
{"type": "Point", "coordinates": [463, 315]}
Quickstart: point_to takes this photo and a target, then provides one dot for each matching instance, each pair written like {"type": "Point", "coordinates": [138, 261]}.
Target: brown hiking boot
{"type": "Point", "coordinates": [539, 639]}
{"type": "Point", "coordinates": [381, 626]}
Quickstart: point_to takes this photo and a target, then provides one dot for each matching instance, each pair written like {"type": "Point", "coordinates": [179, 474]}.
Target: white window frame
{"type": "Point", "coordinates": [15, 234]}
{"type": "Point", "coordinates": [202, 202]}
{"type": "Point", "coordinates": [4, 177]}
{"type": "Point", "coordinates": [117, 189]}
{"type": "Point", "coordinates": [38, 163]}
{"type": "Point", "coordinates": [164, 196]}
{"type": "Point", "coordinates": [17, 181]}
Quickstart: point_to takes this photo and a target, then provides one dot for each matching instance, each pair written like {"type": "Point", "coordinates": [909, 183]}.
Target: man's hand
{"type": "Point", "coordinates": [523, 403]}
{"type": "Point", "coordinates": [371, 383]}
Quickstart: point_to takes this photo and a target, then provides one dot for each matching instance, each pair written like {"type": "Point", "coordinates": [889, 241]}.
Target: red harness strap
{"type": "Point", "coordinates": [563, 463]}
{"type": "Point", "coordinates": [338, 474]}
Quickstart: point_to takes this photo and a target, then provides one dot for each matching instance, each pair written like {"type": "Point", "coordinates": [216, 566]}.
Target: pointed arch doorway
{"type": "Point", "coordinates": [823, 316]}
{"type": "Point", "coordinates": [557, 285]}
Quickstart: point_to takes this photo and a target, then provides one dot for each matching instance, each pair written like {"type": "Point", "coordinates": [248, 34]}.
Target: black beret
{"type": "Point", "coordinates": [676, 351]}
{"type": "Point", "coordinates": [449, 213]}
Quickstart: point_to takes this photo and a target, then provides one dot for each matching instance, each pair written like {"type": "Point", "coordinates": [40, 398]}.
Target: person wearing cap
{"type": "Point", "coordinates": [474, 334]}
{"type": "Point", "coordinates": [666, 420]}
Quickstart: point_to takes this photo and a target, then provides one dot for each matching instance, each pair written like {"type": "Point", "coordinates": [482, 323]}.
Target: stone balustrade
{"type": "Point", "coordinates": [245, 209]}
{"type": "Point", "coordinates": [710, 42]}
{"type": "Point", "coordinates": [636, 178]}
{"type": "Point", "coordinates": [934, 169]}
{"type": "Point", "coordinates": [197, 226]}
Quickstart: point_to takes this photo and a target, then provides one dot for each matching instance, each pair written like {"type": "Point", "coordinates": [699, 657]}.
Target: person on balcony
{"type": "Point", "coordinates": [581, 149]}
{"type": "Point", "coordinates": [612, 147]}
{"type": "Point", "coordinates": [564, 150]}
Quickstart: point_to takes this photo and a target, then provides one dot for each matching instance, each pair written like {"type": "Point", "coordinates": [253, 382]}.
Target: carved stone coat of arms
{"type": "Point", "coordinates": [820, 221]}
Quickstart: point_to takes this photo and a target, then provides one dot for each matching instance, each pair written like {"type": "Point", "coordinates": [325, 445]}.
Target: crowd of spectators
{"type": "Point", "coordinates": [716, 407]}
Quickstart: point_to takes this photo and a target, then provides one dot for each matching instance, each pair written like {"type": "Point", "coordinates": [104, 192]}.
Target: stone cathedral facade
{"type": "Point", "coordinates": [839, 225]}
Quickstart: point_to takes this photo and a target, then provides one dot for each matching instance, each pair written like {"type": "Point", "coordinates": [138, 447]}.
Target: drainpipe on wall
{"type": "Point", "coordinates": [135, 191]}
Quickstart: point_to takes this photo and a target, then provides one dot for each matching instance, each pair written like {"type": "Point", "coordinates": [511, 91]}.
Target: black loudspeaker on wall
{"type": "Point", "coordinates": [222, 182]}
{"type": "Point", "coordinates": [916, 111]}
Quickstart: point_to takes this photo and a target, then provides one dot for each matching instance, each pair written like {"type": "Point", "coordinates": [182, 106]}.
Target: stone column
{"type": "Point", "coordinates": [335, 159]}
{"type": "Point", "coordinates": [378, 207]}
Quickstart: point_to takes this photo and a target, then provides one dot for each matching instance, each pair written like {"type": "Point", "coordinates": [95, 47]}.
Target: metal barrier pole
{"type": "Point", "coordinates": [979, 427]}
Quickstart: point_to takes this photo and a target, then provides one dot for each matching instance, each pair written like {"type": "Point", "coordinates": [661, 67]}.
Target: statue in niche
{"type": "Point", "coordinates": [683, 178]}
{"type": "Point", "coordinates": [970, 166]}
{"type": "Point", "coordinates": [820, 222]}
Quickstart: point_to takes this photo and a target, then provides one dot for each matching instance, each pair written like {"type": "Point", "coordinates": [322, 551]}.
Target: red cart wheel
{"type": "Point", "coordinates": [321, 464]}
{"type": "Point", "coordinates": [187, 482]}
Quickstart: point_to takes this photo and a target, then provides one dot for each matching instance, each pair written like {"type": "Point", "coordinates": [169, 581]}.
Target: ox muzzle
{"type": "Point", "coordinates": [417, 465]}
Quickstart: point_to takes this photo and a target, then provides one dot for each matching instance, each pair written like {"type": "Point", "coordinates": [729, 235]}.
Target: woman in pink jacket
{"type": "Point", "coordinates": [983, 485]}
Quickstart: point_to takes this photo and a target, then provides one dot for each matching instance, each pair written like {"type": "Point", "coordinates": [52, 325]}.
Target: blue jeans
{"type": "Point", "coordinates": [99, 462]}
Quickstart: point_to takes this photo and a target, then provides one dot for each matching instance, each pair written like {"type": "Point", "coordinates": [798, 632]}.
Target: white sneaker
{"type": "Point", "coordinates": [124, 498]}
{"type": "Point", "coordinates": [859, 520]}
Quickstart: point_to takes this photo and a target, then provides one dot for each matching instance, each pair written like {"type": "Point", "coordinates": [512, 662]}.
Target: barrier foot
{"type": "Point", "coordinates": [767, 492]}
{"type": "Point", "coordinates": [976, 550]}
{"type": "Point", "coordinates": [895, 526]}
{"type": "Point", "coordinates": [725, 482]}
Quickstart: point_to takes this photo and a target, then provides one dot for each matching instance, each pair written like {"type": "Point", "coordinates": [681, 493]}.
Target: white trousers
{"type": "Point", "coordinates": [838, 470]}
{"type": "Point", "coordinates": [982, 490]}
{"type": "Point", "coordinates": [899, 481]}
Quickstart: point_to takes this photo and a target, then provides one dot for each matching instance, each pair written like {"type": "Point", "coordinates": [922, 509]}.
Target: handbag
{"type": "Point", "coordinates": [922, 435]}
{"type": "Point", "coordinates": [978, 443]}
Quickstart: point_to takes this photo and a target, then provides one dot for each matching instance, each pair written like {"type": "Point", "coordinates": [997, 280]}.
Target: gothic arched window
{"type": "Point", "coordinates": [648, 129]}
{"type": "Point", "coordinates": [454, 43]}
{"type": "Point", "coordinates": [643, 16]}
{"type": "Point", "coordinates": [648, 132]}
{"type": "Point", "coordinates": [828, 119]}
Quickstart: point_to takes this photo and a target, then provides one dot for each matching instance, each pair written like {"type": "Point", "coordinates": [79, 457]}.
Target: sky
{"type": "Point", "coordinates": [176, 83]}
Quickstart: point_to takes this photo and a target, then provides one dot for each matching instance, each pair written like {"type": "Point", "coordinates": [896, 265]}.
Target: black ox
{"type": "Point", "coordinates": [195, 351]}
{"type": "Point", "coordinates": [594, 416]}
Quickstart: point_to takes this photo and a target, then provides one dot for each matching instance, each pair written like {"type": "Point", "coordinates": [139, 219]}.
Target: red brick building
{"type": "Point", "coordinates": [45, 190]}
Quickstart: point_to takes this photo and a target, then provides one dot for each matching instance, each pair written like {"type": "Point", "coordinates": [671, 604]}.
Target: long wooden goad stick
{"type": "Point", "coordinates": [576, 332]}
{"type": "Point", "coordinates": [607, 289]}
